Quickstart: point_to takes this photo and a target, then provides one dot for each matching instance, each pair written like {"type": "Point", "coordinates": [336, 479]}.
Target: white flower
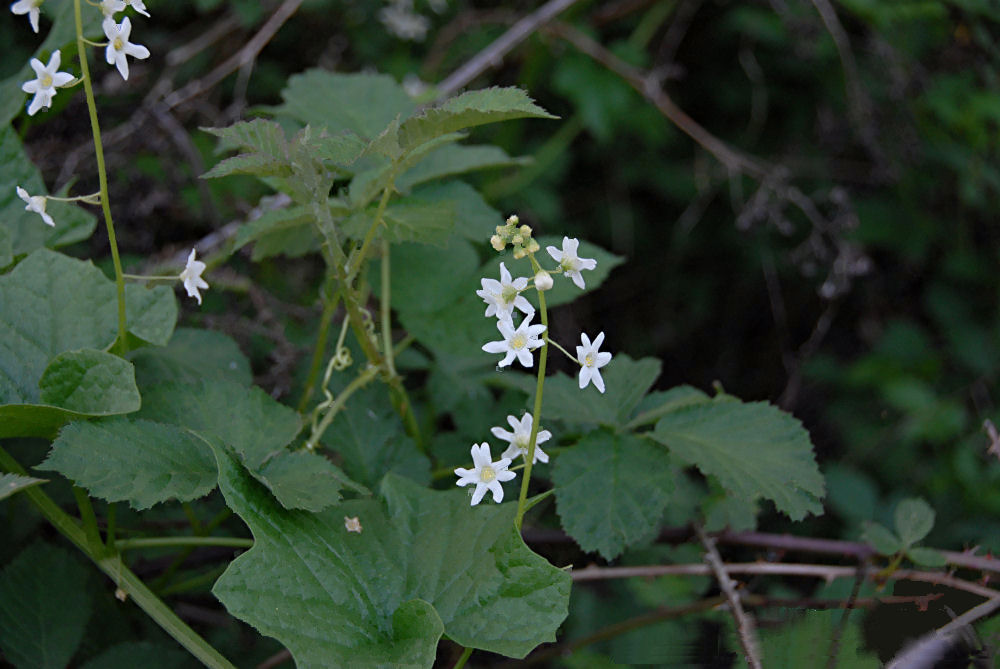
{"type": "Point", "coordinates": [111, 7]}
{"type": "Point", "coordinates": [570, 263]}
{"type": "Point", "coordinates": [29, 7]}
{"type": "Point", "coordinates": [486, 474]}
{"type": "Point", "coordinates": [119, 46]}
{"type": "Point", "coordinates": [36, 203]}
{"type": "Point", "coordinates": [517, 343]}
{"type": "Point", "coordinates": [139, 6]}
{"type": "Point", "coordinates": [191, 276]}
{"type": "Point", "coordinates": [503, 296]}
{"type": "Point", "coordinates": [46, 82]}
{"type": "Point", "coordinates": [403, 22]}
{"type": "Point", "coordinates": [520, 439]}
{"type": "Point", "coordinates": [352, 524]}
{"type": "Point", "coordinates": [591, 360]}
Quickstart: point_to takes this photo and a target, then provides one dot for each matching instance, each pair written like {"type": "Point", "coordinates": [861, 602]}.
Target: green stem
{"type": "Point", "coordinates": [170, 542]}
{"type": "Point", "coordinates": [329, 309]}
{"type": "Point", "coordinates": [338, 404]}
{"type": "Point", "coordinates": [121, 343]}
{"type": "Point", "coordinates": [463, 658]}
{"type": "Point", "coordinates": [122, 576]}
{"type": "Point", "coordinates": [88, 516]}
{"type": "Point", "coordinates": [370, 235]}
{"type": "Point", "coordinates": [567, 353]}
{"type": "Point", "coordinates": [385, 306]}
{"type": "Point", "coordinates": [536, 414]}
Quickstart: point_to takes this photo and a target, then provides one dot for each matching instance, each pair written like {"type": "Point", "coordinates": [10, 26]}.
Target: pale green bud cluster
{"type": "Point", "coordinates": [518, 236]}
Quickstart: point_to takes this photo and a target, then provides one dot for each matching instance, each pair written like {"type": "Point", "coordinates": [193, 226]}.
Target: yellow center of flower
{"type": "Point", "coordinates": [518, 341]}
{"type": "Point", "coordinates": [46, 80]}
{"type": "Point", "coordinates": [487, 474]}
{"type": "Point", "coordinates": [117, 44]}
{"type": "Point", "coordinates": [589, 360]}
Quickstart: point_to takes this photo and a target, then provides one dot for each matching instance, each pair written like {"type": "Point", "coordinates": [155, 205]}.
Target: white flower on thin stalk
{"type": "Point", "coordinates": [517, 342]}
{"type": "Point", "coordinates": [503, 296]}
{"type": "Point", "coordinates": [591, 360]}
{"type": "Point", "coordinates": [486, 474]}
{"type": "Point", "coordinates": [111, 7]}
{"type": "Point", "coordinates": [191, 276]}
{"type": "Point", "coordinates": [139, 6]}
{"type": "Point", "coordinates": [119, 46]}
{"type": "Point", "coordinates": [520, 439]}
{"type": "Point", "coordinates": [47, 80]}
{"type": "Point", "coordinates": [30, 7]}
{"type": "Point", "coordinates": [36, 203]}
{"type": "Point", "coordinates": [570, 263]}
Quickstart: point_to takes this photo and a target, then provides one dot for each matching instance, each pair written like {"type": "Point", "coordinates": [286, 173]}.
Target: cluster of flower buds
{"type": "Point", "coordinates": [504, 301]}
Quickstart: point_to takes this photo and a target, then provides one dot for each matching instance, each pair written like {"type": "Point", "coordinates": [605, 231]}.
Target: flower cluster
{"type": "Point", "coordinates": [505, 302]}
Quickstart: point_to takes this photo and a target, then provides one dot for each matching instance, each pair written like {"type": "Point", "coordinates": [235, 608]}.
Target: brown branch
{"type": "Point", "coordinates": [493, 54]}
{"type": "Point", "coordinates": [744, 623]}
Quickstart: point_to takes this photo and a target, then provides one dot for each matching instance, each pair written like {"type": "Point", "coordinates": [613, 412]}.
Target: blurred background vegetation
{"type": "Point", "coordinates": [829, 242]}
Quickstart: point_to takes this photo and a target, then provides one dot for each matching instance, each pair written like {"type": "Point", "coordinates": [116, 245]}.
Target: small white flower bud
{"type": "Point", "coordinates": [543, 280]}
{"type": "Point", "coordinates": [513, 219]}
{"type": "Point", "coordinates": [497, 243]}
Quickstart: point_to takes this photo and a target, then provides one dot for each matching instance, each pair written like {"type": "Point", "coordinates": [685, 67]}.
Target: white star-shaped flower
{"type": "Point", "coordinates": [486, 474]}
{"type": "Point", "coordinates": [191, 276]}
{"type": "Point", "coordinates": [503, 296]}
{"type": "Point", "coordinates": [352, 524]}
{"type": "Point", "coordinates": [570, 263]}
{"type": "Point", "coordinates": [111, 7]}
{"type": "Point", "coordinates": [139, 6]}
{"type": "Point", "coordinates": [30, 7]}
{"type": "Point", "coordinates": [36, 203]}
{"type": "Point", "coordinates": [47, 80]}
{"type": "Point", "coordinates": [591, 360]}
{"type": "Point", "coordinates": [119, 46]}
{"type": "Point", "coordinates": [520, 439]}
{"type": "Point", "coordinates": [517, 343]}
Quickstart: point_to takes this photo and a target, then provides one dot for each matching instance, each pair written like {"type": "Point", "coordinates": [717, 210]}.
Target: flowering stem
{"type": "Point", "coordinates": [121, 343]}
{"type": "Point", "coordinates": [568, 354]}
{"type": "Point", "coordinates": [121, 575]}
{"type": "Point", "coordinates": [536, 412]}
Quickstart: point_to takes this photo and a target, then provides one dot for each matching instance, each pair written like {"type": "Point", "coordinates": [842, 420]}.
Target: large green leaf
{"type": "Point", "coordinates": [468, 110]}
{"type": "Point", "coordinates": [626, 381]}
{"type": "Point", "coordinates": [303, 480]}
{"type": "Point", "coordinates": [134, 460]}
{"type": "Point", "coordinates": [754, 450]}
{"type": "Point", "coordinates": [611, 491]}
{"type": "Point", "coordinates": [24, 231]}
{"type": "Point", "coordinates": [267, 146]}
{"type": "Point", "coordinates": [424, 563]}
{"type": "Point", "coordinates": [44, 607]}
{"type": "Point", "coordinates": [362, 103]}
{"type": "Point", "coordinates": [454, 159]}
{"type": "Point", "coordinates": [190, 356]}
{"type": "Point", "coordinates": [368, 436]}
{"type": "Point", "coordinates": [476, 220]}
{"type": "Point", "coordinates": [418, 285]}
{"type": "Point", "coordinates": [90, 382]}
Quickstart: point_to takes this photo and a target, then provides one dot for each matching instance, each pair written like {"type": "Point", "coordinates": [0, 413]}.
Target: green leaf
{"type": "Point", "coordinates": [44, 607]}
{"type": "Point", "coordinates": [247, 419]}
{"type": "Point", "coordinates": [49, 304]}
{"type": "Point", "coordinates": [151, 314]}
{"type": "Point", "coordinates": [455, 159]}
{"type": "Point", "coordinates": [190, 356]}
{"type": "Point", "coordinates": [24, 230]}
{"type": "Point", "coordinates": [417, 282]}
{"type": "Point", "coordinates": [361, 103]}
{"type": "Point", "coordinates": [14, 483]}
{"type": "Point", "coordinates": [140, 654]}
{"type": "Point", "coordinates": [414, 221]}
{"type": "Point", "coordinates": [368, 184]}
{"type": "Point", "coordinates": [133, 460]}
{"type": "Point", "coordinates": [90, 382]}
{"type": "Point", "coordinates": [806, 642]}
{"type": "Point", "coordinates": [468, 110]}
{"type": "Point", "coordinates": [926, 557]}
{"type": "Point", "coordinates": [368, 435]}
{"type": "Point", "coordinates": [657, 404]}
{"type": "Point", "coordinates": [265, 140]}
{"type": "Point", "coordinates": [611, 491]}
{"type": "Point", "coordinates": [476, 221]}
{"type": "Point", "coordinates": [424, 563]}
{"type": "Point", "coordinates": [881, 539]}
{"type": "Point", "coordinates": [626, 381]}
{"type": "Point", "coordinates": [914, 519]}
{"type": "Point", "coordinates": [303, 480]}
{"type": "Point", "coordinates": [754, 450]}
{"type": "Point", "coordinates": [6, 248]}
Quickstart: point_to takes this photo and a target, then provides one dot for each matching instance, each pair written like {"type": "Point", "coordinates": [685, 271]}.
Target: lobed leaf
{"type": "Point", "coordinates": [425, 563]}
{"type": "Point", "coordinates": [611, 491]}
{"type": "Point", "coordinates": [754, 450]}
{"type": "Point", "coordinates": [133, 460]}
{"type": "Point", "coordinates": [191, 355]}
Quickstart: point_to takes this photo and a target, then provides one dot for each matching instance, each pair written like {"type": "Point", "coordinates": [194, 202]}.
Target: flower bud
{"type": "Point", "coordinates": [533, 246]}
{"type": "Point", "coordinates": [517, 239]}
{"type": "Point", "coordinates": [513, 219]}
{"type": "Point", "coordinates": [525, 231]}
{"type": "Point", "coordinates": [519, 252]}
{"type": "Point", "coordinates": [543, 280]}
{"type": "Point", "coordinates": [497, 243]}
